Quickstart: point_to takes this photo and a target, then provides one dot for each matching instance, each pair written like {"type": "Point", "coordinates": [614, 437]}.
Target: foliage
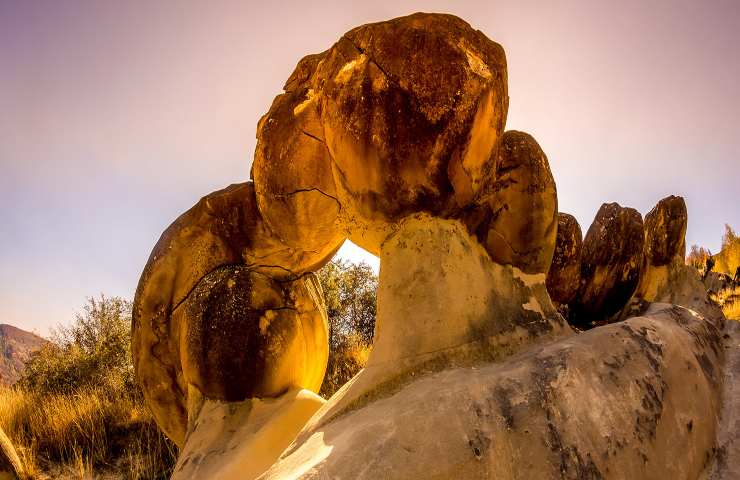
{"type": "Point", "coordinates": [94, 351]}
{"type": "Point", "coordinates": [728, 260]}
{"type": "Point", "coordinates": [351, 303]}
{"type": "Point", "coordinates": [698, 257]}
{"type": "Point", "coordinates": [77, 409]}
{"type": "Point", "coordinates": [80, 435]}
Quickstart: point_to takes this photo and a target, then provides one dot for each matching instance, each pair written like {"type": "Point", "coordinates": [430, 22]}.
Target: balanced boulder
{"type": "Point", "coordinates": [522, 206]}
{"type": "Point", "coordinates": [610, 264]}
{"type": "Point", "coordinates": [564, 276]}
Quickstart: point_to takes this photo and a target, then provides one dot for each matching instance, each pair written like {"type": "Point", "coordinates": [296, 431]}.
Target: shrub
{"type": "Point", "coordinates": [93, 352]}
{"type": "Point", "coordinates": [77, 409]}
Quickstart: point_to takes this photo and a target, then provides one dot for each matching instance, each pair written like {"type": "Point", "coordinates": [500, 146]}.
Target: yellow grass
{"type": "Point", "coordinates": [729, 300]}
{"type": "Point", "coordinates": [84, 435]}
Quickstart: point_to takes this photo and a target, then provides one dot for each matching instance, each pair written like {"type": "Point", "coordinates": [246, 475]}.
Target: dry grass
{"type": "Point", "coordinates": [729, 300]}
{"type": "Point", "coordinates": [89, 434]}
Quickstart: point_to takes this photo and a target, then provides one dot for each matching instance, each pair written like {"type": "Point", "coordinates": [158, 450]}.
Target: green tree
{"type": "Point", "coordinates": [350, 293]}
{"type": "Point", "coordinates": [94, 351]}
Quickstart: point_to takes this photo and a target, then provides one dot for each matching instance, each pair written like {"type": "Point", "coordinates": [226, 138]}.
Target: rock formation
{"type": "Point", "coordinates": [394, 138]}
{"type": "Point", "coordinates": [611, 261]}
{"type": "Point", "coordinates": [11, 467]}
{"type": "Point", "coordinates": [564, 276]}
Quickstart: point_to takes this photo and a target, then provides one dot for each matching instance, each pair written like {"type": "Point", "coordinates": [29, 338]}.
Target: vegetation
{"type": "Point", "coordinates": [77, 411]}
{"type": "Point", "coordinates": [350, 295]}
{"type": "Point", "coordinates": [728, 260]}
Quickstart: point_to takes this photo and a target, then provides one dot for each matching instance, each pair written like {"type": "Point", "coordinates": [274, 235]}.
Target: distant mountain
{"type": "Point", "coordinates": [16, 347]}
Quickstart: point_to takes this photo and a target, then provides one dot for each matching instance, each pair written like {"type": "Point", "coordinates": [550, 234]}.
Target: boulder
{"type": "Point", "coordinates": [665, 231]}
{"type": "Point", "coordinates": [394, 138]}
{"type": "Point", "coordinates": [245, 335]}
{"type": "Point", "coordinates": [409, 112]}
{"type": "Point", "coordinates": [223, 229]}
{"type": "Point", "coordinates": [564, 276]}
{"type": "Point", "coordinates": [664, 276]}
{"type": "Point", "coordinates": [657, 383]}
{"type": "Point", "coordinates": [610, 264]}
{"type": "Point", "coordinates": [521, 208]}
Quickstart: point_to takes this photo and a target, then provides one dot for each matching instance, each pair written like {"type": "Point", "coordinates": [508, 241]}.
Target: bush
{"type": "Point", "coordinates": [728, 260]}
{"type": "Point", "coordinates": [77, 409]}
{"type": "Point", "coordinates": [93, 352]}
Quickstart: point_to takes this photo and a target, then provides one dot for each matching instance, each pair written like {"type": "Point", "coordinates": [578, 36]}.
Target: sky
{"type": "Point", "coordinates": [115, 117]}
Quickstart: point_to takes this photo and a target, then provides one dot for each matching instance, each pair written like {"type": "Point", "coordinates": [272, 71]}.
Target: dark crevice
{"type": "Point", "coordinates": [195, 285]}
{"type": "Point", "coordinates": [371, 59]}
{"type": "Point", "coordinates": [313, 136]}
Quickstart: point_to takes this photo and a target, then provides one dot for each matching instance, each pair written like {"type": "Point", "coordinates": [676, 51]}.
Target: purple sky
{"type": "Point", "coordinates": [115, 117]}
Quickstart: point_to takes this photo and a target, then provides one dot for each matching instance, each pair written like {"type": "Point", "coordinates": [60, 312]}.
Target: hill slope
{"type": "Point", "coordinates": [16, 347]}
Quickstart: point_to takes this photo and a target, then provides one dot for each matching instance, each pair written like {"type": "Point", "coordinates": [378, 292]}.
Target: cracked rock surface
{"type": "Point", "coordinates": [394, 138]}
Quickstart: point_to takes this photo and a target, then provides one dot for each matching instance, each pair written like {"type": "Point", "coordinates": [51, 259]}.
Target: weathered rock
{"type": "Point", "coordinates": [241, 440]}
{"type": "Point", "coordinates": [521, 207]}
{"type": "Point", "coordinates": [664, 275]}
{"type": "Point", "coordinates": [726, 461]}
{"type": "Point", "coordinates": [245, 335]}
{"type": "Point", "coordinates": [533, 415]}
{"type": "Point", "coordinates": [564, 276]}
{"type": "Point", "coordinates": [610, 264]}
{"type": "Point", "coordinates": [224, 228]}
{"type": "Point", "coordinates": [665, 231]}
{"type": "Point", "coordinates": [410, 111]}
{"type": "Point", "coordinates": [443, 303]}
{"type": "Point", "coordinates": [292, 169]}
{"type": "Point", "coordinates": [394, 137]}
{"type": "Point", "coordinates": [11, 467]}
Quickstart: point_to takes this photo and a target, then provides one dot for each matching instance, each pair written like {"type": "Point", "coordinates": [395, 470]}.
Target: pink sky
{"type": "Point", "coordinates": [117, 116]}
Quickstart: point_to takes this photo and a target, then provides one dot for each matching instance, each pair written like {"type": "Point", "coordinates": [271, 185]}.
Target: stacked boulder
{"type": "Point", "coordinates": [394, 138]}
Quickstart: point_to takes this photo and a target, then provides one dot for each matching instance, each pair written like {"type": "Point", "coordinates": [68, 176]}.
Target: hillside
{"type": "Point", "coordinates": [16, 347]}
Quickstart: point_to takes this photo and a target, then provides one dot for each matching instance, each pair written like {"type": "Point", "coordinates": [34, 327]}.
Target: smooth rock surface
{"type": "Point", "coordinates": [241, 440]}
{"type": "Point", "coordinates": [553, 411]}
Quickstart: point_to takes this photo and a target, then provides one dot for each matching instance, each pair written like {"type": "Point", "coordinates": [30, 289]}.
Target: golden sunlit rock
{"type": "Point", "coordinates": [394, 138]}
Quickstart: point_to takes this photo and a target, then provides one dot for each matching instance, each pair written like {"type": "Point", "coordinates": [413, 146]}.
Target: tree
{"type": "Point", "coordinates": [94, 351]}
{"type": "Point", "coordinates": [350, 294]}
{"type": "Point", "coordinates": [728, 260]}
{"type": "Point", "coordinates": [698, 257]}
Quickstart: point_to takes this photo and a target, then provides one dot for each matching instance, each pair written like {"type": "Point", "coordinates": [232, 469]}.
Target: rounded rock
{"type": "Point", "coordinates": [564, 277]}
{"type": "Point", "coordinates": [610, 264]}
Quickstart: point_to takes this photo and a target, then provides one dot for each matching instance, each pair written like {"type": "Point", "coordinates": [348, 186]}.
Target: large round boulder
{"type": "Point", "coordinates": [516, 217]}
{"type": "Point", "coordinates": [405, 114]}
{"type": "Point", "coordinates": [610, 264]}
{"type": "Point", "coordinates": [245, 335]}
{"type": "Point", "coordinates": [564, 277]}
{"type": "Point", "coordinates": [665, 231]}
{"type": "Point", "coordinates": [224, 229]}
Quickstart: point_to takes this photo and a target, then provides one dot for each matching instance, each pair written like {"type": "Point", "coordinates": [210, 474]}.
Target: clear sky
{"type": "Point", "coordinates": [116, 116]}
